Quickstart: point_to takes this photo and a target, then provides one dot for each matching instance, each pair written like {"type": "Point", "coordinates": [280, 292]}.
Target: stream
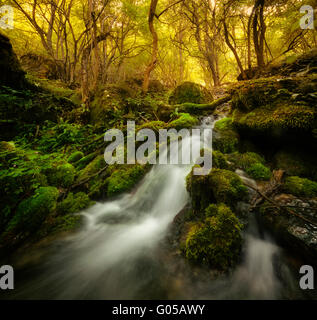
{"type": "Point", "coordinates": [121, 253]}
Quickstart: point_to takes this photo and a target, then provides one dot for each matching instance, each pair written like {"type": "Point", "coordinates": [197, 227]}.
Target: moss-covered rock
{"type": "Point", "coordinates": [185, 120]}
{"type": "Point", "coordinates": [62, 176]}
{"type": "Point", "coordinates": [296, 163]}
{"type": "Point", "coordinates": [300, 187]}
{"type": "Point", "coordinates": [109, 103]}
{"type": "Point", "coordinates": [73, 203]}
{"type": "Point", "coordinates": [215, 241]}
{"type": "Point", "coordinates": [225, 137]}
{"type": "Point", "coordinates": [252, 163]}
{"type": "Point", "coordinates": [258, 171]}
{"type": "Point", "coordinates": [190, 92]}
{"type": "Point", "coordinates": [33, 211]}
{"type": "Point", "coordinates": [220, 186]}
{"type": "Point", "coordinates": [219, 161]}
{"type": "Point", "coordinates": [245, 160]}
{"type": "Point", "coordinates": [227, 187]}
{"type": "Point", "coordinates": [75, 156]}
{"type": "Point", "coordinates": [276, 119]}
{"type": "Point", "coordinates": [124, 179]}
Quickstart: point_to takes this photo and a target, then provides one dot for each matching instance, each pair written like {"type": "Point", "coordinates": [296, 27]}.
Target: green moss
{"type": "Point", "coordinates": [68, 222]}
{"type": "Point", "coordinates": [82, 163]}
{"type": "Point", "coordinates": [258, 171]}
{"type": "Point", "coordinates": [75, 156]}
{"type": "Point", "coordinates": [221, 186]}
{"type": "Point", "coordinates": [301, 187]}
{"type": "Point", "coordinates": [245, 160]}
{"type": "Point", "coordinates": [225, 137]}
{"type": "Point", "coordinates": [227, 187]}
{"type": "Point", "coordinates": [219, 160]}
{"type": "Point", "coordinates": [73, 203]}
{"type": "Point", "coordinates": [62, 176]}
{"type": "Point", "coordinates": [270, 117]}
{"type": "Point", "coordinates": [33, 211]}
{"type": "Point", "coordinates": [251, 94]}
{"type": "Point", "coordinates": [216, 241]}
{"type": "Point", "coordinates": [185, 120]}
{"type": "Point", "coordinates": [124, 179]}
{"type": "Point", "coordinates": [153, 125]}
{"type": "Point", "coordinates": [190, 92]}
{"type": "Point", "coordinates": [224, 124]}
{"type": "Point", "coordinates": [7, 146]}
{"type": "Point", "coordinates": [92, 168]}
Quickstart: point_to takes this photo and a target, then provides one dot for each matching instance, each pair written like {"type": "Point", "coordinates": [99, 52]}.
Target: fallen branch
{"type": "Point", "coordinates": [280, 206]}
{"type": "Point", "coordinates": [80, 183]}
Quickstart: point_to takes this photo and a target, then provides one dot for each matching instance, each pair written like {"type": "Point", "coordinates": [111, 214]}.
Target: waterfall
{"type": "Point", "coordinates": [116, 255]}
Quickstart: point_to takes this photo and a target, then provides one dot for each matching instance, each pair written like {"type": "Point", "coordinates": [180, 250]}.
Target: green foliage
{"type": "Point", "coordinates": [124, 179]}
{"type": "Point", "coordinates": [33, 211]}
{"type": "Point", "coordinates": [75, 156]}
{"type": "Point", "coordinates": [56, 136]}
{"type": "Point", "coordinates": [73, 203]}
{"type": "Point", "coordinates": [300, 187]}
{"type": "Point", "coordinates": [216, 241]}
{"type": "Point", "coordinates": [185, 120]}
{"type": "Point", "coordinates": [68, 222]}
{"type": "Point", "coordinates": [259, 172]}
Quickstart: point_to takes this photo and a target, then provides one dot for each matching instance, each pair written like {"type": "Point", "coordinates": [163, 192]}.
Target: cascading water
{"type": "Point", "coordinates": [117, 254]}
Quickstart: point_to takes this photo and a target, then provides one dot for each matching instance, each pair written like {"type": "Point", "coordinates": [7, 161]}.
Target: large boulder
{"type": "Point", "coordinates": [190, 92]}
{"type": "Point", "coordinates": [11, 73]}
{"type": "Point", "coordinates": [282, 109]}
{"type": "Point", "coordinates": [41, 66]}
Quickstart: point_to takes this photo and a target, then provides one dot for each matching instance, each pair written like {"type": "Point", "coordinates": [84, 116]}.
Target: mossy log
{"type": "Point", "coordinates": [192, 108]}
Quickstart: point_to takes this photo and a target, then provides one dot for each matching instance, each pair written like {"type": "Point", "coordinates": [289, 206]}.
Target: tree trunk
{"type": "Point", "coordinates": [259, 32]}
{"type": "Point", "coordinates": [234, 51]}
{"type": "Point", "coordinates": [153, 61]}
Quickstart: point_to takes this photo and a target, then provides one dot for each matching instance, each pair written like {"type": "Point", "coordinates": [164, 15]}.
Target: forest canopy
{"type": "Point", "coordinates": [92, 42]}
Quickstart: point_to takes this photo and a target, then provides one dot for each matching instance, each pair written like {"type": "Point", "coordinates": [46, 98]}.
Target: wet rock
{"type": "Point", "coordinates": [296, 233]}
